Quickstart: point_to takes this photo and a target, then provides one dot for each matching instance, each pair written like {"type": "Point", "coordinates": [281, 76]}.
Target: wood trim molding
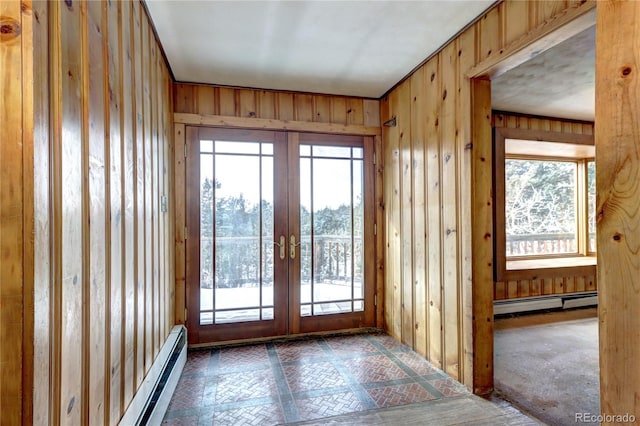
{"type": "Point", "coordinates": [565, 25]}
{"type": "Point", "coordinates": [546, 136]}
{"type": "Point", "coordinates": [552, 272]}
{"type": "Point", "coordinates": [273, 124]}
{"type": "Point", "coordinates": [483, 229]}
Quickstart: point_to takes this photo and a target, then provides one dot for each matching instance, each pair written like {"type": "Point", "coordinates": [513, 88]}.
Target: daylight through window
{"type": "Point", "coordinates": [549, 207]}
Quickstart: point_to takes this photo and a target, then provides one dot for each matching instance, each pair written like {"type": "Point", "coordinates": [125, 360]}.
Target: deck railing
{"type": "Point", "coordinates": [540, 244]}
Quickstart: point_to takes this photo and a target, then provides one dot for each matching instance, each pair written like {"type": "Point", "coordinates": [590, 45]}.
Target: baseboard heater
{"type": "Point", "coordinates": [568, 301]}
{"type": "Point", "coordinates": [152, 399]}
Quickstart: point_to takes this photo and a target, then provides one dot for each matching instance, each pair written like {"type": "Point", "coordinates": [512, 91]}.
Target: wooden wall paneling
{"type": "Point", "coordinates": [247, 102]}
{"type": "Point", "coordinates": [540, 36]}
{"type": "Point", "coordinates": [618, 192]}
{"type": "Point", "coordinates": [419, 254]}
{"type": "Point", "coordinates": [499, 291]}
{"type": "Point", "coordinates": [139, 223]}
{"type": "Point", "coordinates": [55, 336]}
{"type": "Point", "coordinates": [433, 213]}
{"type": "Point", "coordinates": [30, 114]}
{"type": "Point", "coordinates": [355, 112]}
{"type": "Point", "coordinates": [162, 295]}
{"type": "Point", "coordinates": [523, 288]}
{"type": "Point", "coordinates": [167, 319]}
{"type": "Point", "coordinates": [465, 48]}
{"type": "Point", "coordinates": [168, 105]}
{"type": "Point", "coordinates": [205, 98]}
{"type": "Point", "coordinates": [266, 104]}
{"type": "Point", "coordinates": [449, 225]}
{"type": "Point", "coordinates": [12, 223]}
{"type": "Point", "coordinates": [303, 107]}
{"type": "Point", "coordinates": [148, 188]}
{"type": "Point", "coordinates": [558, 285]}
{"type": "Point", "coordinates": [321, 109]}
{"type": "Point", "coordinates": [391, 203]}
{"type": "Point", "coordinates": [72, 399]}
{"type": "Point", "coordinates": [403, 110]}
{"type": "Point", "coordinates": [548, 9]}
{"type": "Point", "coordinates": [227, 101]}
{"type": "Point", "coordinates": [490, 33]}
{"type": "Point", "coordinates": [516, 19]}
{"type": "Point", "coordinates": [114, 321]}
{"type": "Point", "coordinates": [371, 112]}
{"type": "Point", "coordinates": [591, 282]}
{"type": "Point", "coordinates": [155, 151]}
{"type": "Point", "coordinates": [128, 207]}
{"type": "Point", "coordinates": [507, 30]}
{"type": "Point", "coordinates": [41, 261]}
{"type": "Point", "coordinates": [180, 221]}
{"type": "Point", "coordinates": [338, 110]}
{"type": "Point", "coordinates": [97, 215]}
{"type": "Point", "coordinates": [185, 95]}
{"type": "Point", "coordinates": [380, 233]}
{"type": "Point", "coordinates": [535, 287]}
{"type": "Point", "coordinates": [89, 220]}
{"type": "Point", "coordinates": [284, 106]}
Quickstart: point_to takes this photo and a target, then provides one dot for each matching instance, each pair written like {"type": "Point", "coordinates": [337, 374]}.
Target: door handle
{"type": "Point", "coordinates": [292, 246]}
{"type": "Point", "coordinates": [283, 249]}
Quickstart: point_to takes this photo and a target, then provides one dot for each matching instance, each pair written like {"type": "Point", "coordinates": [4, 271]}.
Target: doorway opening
{"type": "Point", "coordinates": [279, 225]}
{"type": "Point", "coordinates": [551, 265]}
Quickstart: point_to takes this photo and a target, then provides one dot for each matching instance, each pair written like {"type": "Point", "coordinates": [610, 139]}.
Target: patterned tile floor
{"type": "Point", "coordinates": [285, 382]}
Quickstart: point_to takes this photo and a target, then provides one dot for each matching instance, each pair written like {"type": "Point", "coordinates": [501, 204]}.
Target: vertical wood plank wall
{"type": "Point", "coordinates": [86, 291]}
{"type": "Point", "coordinates": [253, 103]}
{"type": "Point", "coordinates": [18, 135]}
{"type": "Point", "coordinates": [550, 285]}
{"type": "Point", "coordinates": [428, 190]}
{"type": "Point", "coordinates": [256, 103]}
{"type": "Point", "coordinates": [618, 219]}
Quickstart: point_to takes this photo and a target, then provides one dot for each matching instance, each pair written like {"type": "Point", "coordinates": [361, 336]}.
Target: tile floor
{"type": "Point", "coordinates": [292, 381]}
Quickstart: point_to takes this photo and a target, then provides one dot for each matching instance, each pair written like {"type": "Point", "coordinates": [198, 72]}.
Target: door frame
{"type": "Point", "coordinates": [186, 237]}
{"type": "Point", "coordinates": [518, 52]}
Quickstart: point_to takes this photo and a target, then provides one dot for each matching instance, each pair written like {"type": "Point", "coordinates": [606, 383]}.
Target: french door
{"type": "Point", "coordinates": [279, 225]}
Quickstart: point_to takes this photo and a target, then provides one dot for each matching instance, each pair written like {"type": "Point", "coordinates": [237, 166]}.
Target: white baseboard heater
{"type": "Point", "coordinates": [566, 301]}
{"type": "Point", "coordinates": [152, 399]}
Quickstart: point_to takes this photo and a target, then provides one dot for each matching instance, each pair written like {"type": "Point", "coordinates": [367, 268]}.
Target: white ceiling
{"type": "Point", "coordinates": [356, 48]}
{"type": "Point", "coordinates": [559, 82]}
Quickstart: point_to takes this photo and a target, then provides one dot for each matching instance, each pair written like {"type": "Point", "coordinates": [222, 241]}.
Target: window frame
{"type": "Point", "coordinates": [540, 266]}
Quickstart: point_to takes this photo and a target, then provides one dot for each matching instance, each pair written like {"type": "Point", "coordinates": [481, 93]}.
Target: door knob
{"type": "Point", "coordinates": [292, 246]}
{"type": "Point", "coordinates": [283, 249]}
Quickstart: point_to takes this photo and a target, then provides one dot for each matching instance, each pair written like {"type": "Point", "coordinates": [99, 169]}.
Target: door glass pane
{"type": "Point", "coordinates": [206, 234]}
{"type": "Point", "coordinates": [305, 230]}
{"type": "Point", "coordinates": [541, 208]}
{"type": "Point", "coordinates": [332, 151]}
{"type": "Point", "coordinates": [237, 147]}
{"type": "Point", "coordinates": [591, 195]}
{"type": "Point", "coordinates": [332, 222]}
{"type": "Point", "coordinates": [236, 229]}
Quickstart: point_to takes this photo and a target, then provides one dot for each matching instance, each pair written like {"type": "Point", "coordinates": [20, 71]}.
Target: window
{"type": "Point", "coordinates": [591, 195]}
{"type": "Point", "coordinates": [543, 205]}
{"type": "Point", "coordinates": [545, 201]}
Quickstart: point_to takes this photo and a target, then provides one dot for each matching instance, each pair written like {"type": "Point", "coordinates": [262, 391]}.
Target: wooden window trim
{"type": "Point", "coordinates": [532, 267]}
